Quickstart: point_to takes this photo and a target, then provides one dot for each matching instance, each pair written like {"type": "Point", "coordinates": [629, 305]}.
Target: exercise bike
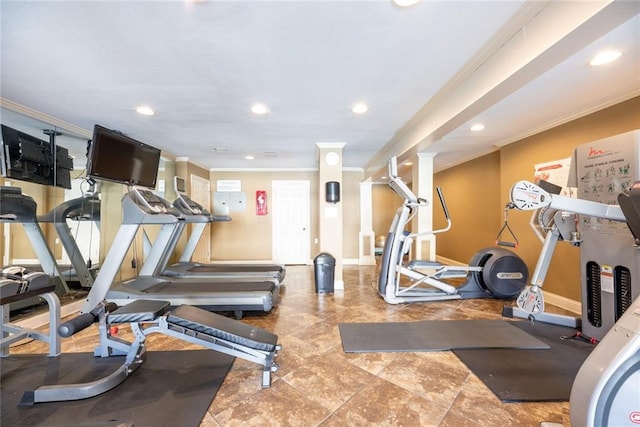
{"type": "Point", "coordinates": [492, 272]}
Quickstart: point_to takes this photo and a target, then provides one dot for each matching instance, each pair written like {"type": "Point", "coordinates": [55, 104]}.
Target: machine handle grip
{"type": "Point", "coordinates": [443, 203]}
{"type": "Point", "coordinates": [76, 324]}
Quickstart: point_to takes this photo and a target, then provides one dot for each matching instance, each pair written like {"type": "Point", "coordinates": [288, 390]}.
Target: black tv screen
{"type": "Point", "coordinates": [116, 157]}
{"type": "Point", "coordinates": [27, 158]}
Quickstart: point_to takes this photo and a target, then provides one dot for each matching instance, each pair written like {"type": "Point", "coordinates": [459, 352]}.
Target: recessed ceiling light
{"type": "Point", "coordinates": [145, 110]}
{"type": "Point", "coordinates": [249, 157]}
{"type": "Point", "coordinates": [259, 109]}
{"type": "Point", "coordinates": [407, 163]}
{"type": "Point", "coordinates": [360, 108]}
{"type": "Point", "coordinates": [405, 3]}
{"type": "Point", "coordinates": [605, 57]}
{"type": "Point", "coordinates": [477, 127]}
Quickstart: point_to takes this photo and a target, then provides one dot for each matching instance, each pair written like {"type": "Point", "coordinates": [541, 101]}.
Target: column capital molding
{"type": "Point", "coordinates": [331, 145]}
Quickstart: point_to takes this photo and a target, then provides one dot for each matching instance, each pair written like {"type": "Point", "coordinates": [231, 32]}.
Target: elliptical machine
{"type": "Point", "coordinates": [492, 272]}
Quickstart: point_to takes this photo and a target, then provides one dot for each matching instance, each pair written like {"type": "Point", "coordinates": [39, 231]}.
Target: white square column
{"type": "Point", "coordinates": [366, 236]}
{"type": "Point", "coordinates": [422, 223]}
{"type": "Point", "coordinates": [330, 215]}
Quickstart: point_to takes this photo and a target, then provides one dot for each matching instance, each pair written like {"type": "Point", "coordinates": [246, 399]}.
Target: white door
{"type": "Point", "coordinates": [291, 220]}
{"type": "Point", "coordinates": [201, 193]}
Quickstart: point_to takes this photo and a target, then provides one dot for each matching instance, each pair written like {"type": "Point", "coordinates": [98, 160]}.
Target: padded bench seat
{"type": "Point", "coordinates": [215, 325]}
{"type": "Point", "coordinates": [198, 320]}
{"type": "Point", "coordinates": [139, 311]}
{"type": "Point", "coordinates": [32, 284]}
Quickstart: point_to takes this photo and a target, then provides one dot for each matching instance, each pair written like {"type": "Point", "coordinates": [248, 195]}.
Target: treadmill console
{"type": "Point", "coordinates": [152, 203]}
{"type": "Point", "coordinates": [187, 206]}
{"type": "Point", "coordinates": [16, 206]}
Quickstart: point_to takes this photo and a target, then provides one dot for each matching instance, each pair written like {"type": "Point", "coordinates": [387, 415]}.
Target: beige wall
{"type": "Point", "coordinates": [472, 194]}
{"type": "Point", "coordinates": [385, 203]}
{"type": "Point", "coordinates": [46, 198]}
{"type": "Point", "coordinates": [350, 213]}
{"type": "Point", "coordinates": [248, 236]}
{"type": "Point", "coordinates": [477, 210]}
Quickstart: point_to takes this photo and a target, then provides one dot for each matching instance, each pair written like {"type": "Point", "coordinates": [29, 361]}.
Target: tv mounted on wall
{"type": "Point", "coordinates": [27, 158]}
{"type": "Point", "coordinates": [116, 157]}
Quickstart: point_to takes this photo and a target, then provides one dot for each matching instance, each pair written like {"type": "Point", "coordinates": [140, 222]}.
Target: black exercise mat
{"type": "Point", "coordinates": [525, 375]}
{"type": "Point", "coordinates": [434, 335]}
{"type": "Point", "coordinates": [171, 388]}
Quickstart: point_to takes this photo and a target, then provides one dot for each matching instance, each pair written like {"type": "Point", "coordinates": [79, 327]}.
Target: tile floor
{"type": "Point", "coordinates": [320, 385]}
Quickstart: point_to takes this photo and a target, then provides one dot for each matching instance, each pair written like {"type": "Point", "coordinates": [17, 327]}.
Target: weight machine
{"type": "Point", "coordinates": [605, 391]}
{"type": "Point", "coordinates": [146, 317]}
{"type": "Point", "coordinates": [557, 214]}
{"type": "Point", "coordinates": [18, 284]}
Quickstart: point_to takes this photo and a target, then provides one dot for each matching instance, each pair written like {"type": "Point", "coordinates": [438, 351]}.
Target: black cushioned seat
{"type": "Point", "coordinates": [221, 327]}
{"type": "Point", "coordinates": [33, 284]}
{"type": "Point", "coordinates": [139, 311]}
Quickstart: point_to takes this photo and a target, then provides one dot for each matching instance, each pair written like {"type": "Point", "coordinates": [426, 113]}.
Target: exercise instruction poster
{"type": "Point", "coordinates": [556, 172]}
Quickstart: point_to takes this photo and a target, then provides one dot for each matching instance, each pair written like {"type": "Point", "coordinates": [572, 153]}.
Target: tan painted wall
{"type": "Point", "coordinates": [350, 213]}
{"type": "Point", "coordinates": [248, 236]}
{"type": "Point", "coordinates": [483, 211]}
{"type": "Point", "coordinates": [46, 198]}
{"type": "Point", "coordinates": [473, 198]}
{"type": "Point", "coordinates": [385, 203]}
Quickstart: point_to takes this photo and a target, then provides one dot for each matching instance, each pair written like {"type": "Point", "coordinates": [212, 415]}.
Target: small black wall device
{"type": "Point", "coordinates": [332, 191]}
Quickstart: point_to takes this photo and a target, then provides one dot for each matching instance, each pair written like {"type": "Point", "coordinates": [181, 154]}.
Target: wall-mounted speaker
{"type": "Point", "coordinates": [332, 191]}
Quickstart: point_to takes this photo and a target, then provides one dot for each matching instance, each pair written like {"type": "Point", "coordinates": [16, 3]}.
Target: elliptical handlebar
{"type": "Point", "coordinates": [443, 203]}
{"type": "Point", "coordinates": [411, 200]}
{"type": "Point", "coordinates": [423, 202]}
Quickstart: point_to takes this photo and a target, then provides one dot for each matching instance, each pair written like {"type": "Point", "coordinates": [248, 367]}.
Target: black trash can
{"type": "Point", "coordinates": [324, 267]}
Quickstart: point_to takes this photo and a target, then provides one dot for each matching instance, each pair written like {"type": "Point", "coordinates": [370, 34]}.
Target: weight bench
{"type": "Point", "coordinates": [20, 285]}
{"type": "Point", "coordinates": [146, 317]}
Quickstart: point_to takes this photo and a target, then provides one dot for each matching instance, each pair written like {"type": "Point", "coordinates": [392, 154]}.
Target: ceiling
{"type": "Point", "coordinates": [427, 73]}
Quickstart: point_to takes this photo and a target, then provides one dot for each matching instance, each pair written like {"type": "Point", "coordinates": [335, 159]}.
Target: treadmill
{"type": "Point", "coordinates": [86, 208]}
{"type": "Point", "coordinates": [141, 206]}
{"type": "Point", "coordinates": [196, 214]}
{"type": "Point", "coordinates": [18, 208]}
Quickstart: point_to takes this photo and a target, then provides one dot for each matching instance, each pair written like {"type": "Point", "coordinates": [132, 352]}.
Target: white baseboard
{"type": "Point", "coordinates": [563, 302]}
{"type": "Point", "coordinates": [448, 261]}
{"type": "Point", "coordinates": [25, 261]}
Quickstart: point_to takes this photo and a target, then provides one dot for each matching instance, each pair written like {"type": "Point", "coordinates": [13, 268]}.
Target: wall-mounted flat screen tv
{"type": "Point", "coordinates": [27, 158]}
{"type": "Point", "coordinates": [116, 157]}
